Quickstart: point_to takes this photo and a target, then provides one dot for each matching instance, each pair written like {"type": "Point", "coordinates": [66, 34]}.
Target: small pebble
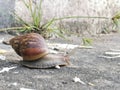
{"type": "Point", "coordinates": [118, 63]}
{"type": "Point", "coordinates": [14, 84]}
{"type": "Point", "coordinates": [64, 82]}
{"type": "Point", "coordinates": [57, 67]}
{"type": "Point", "coordinates": [16, 72]}
{"type": "Point", "coordinates": [56, 49]}
{"type": "Point", "coordinates": [2, 57]}
{"type": "Point", "coordinates": [1, 40]}
{"type": "Point", "coordinates": [26, 89]}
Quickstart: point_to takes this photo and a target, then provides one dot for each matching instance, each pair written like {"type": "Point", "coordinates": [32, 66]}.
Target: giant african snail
{"type": "Point", "coordinates": [35, 53]}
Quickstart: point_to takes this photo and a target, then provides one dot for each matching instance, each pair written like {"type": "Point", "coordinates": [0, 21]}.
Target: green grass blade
{"type": "Point", "coordinates": [48, 23]}
{"type": "Point", "coordinates": [27, 5]}
{"type": "Point", "coordinates": [72, 17]}
{"type": "Point", "coordinates": [117, 16]}
{"type": "Point", "coordinates": [87, 41]}
{"type": "Point", "coordinates": [12, 28]}
{"type": "Point", "coordinates": [40, 11]}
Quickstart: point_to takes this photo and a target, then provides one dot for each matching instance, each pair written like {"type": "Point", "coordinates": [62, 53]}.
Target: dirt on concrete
{"type": "Point", "coordinates": [96, 72]}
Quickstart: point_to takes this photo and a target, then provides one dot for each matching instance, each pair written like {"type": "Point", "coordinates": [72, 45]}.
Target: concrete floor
{"type": "Point", "coordinates": [96, 72]}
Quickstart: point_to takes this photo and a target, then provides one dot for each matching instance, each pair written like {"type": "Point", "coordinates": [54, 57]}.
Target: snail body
{"type": "Point", "coordinates": [33, 49]}
{"type": "Point", "coordinates": [48, 61]}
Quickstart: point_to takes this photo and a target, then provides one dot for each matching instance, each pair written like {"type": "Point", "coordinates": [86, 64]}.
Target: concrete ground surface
{"type": "Point", "coordinates": [94, 71]}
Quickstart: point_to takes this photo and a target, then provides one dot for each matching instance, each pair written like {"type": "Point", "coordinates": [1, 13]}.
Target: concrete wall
{"type": "Point", "coordinates": [61, 8]}
{"type": "Point", "coordinates": [6, 7]}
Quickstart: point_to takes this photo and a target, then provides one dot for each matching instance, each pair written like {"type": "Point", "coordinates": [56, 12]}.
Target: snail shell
{"type": "Point", "coordinates": [48, 61]}
{"type": "Point", "coordinates": [30, 46]}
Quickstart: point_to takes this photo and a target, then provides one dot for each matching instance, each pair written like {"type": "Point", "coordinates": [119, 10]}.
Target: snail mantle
{"type": "Point", "coordinates": [35, 53]}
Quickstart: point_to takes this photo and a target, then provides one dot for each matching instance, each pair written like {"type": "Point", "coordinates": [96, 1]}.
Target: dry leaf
{"type": "Point", "coordinates": [6, 69]}
{"type": "Point", "coordinates": [2, 51]}
{"type": "Point", "coordinates": [76, 79]}
{"type": "Point", "coordinates": [91, 84]}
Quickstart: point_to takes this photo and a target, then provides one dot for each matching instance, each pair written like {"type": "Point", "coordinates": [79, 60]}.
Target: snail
{"type": "Point", "coordinates": [35, 53]}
